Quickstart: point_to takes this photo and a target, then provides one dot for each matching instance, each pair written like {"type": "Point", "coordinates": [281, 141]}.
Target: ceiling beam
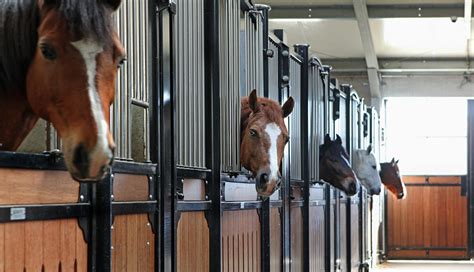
{"type": "Point", "coordinates": [360, 10]}
{"type": "Point", "coordinates": [374, 11]}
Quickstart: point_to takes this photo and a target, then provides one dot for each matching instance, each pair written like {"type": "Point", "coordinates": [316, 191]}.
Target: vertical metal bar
{"type": "Point", "coordinates": [102, 218]}
{"type": "Point", "coordinates": [167, 166]}
{"type": "Point", "coordinates": [470, 177]}
{"type": "Point", "coordinates": [349, 147]}
{"type": "Point", "coordinates": [154, 46]}
{"type": "Point", "coordinates": [283, 78]}
{"type": "Point", "coordinates": [212, 102]}
{"type": "Point", "coordinates": [303, 50]}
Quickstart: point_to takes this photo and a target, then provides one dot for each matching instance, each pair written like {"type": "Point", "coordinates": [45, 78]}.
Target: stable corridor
{"type": "Point", "coordinates": [425, 266]}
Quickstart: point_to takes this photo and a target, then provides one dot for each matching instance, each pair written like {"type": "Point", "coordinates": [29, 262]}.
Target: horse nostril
{"type": "Point", "coordinates": [81, 159]}
{"type": "Point", "coordinates": [353, 187]}
{"type": "Point", "coordinates": [263, 178]}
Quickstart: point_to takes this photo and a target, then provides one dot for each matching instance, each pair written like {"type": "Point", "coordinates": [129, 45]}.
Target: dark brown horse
{"type": "Point", "coordinates": [58, 61]}
{"type": "Point", "coordinates": [263, 138]}
{"type": "Point", "coordinates": [334, 166]}
{"type": "Point", "coordinates": [390, 175]}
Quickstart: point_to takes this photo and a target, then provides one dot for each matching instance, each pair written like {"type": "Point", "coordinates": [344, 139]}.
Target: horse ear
{"type": "Point", "coordinates": [253, 101]}
{"type": "Point", "coordinates": [396, 162]}
{"type": "Point", "coordinates": [392, 161]}
{"type": "Point", "coordinates": [338, 139]}
{"type": "Point", "coordinates": [114, 4]}
{"type": "Point", "coordinates": [287, 108]}
{"type": "Point", "coordinates": [369, 149]}
{"type": "Point", "coordinates": [327, 139]}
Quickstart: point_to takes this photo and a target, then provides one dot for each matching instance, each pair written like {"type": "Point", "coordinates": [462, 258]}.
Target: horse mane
{"type": "Point", "coordinates": [332, 148]}
{"type": "Point", "coordinates": [18, 36]}
{"type": "Point", "coordinates": [19, 21]}
{"type": "Point", "coordinates": [268, 108]}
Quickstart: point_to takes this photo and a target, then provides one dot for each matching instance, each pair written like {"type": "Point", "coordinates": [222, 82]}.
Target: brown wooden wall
{"type": "Point", "coordinates": [56, 245]}
{"type": "Point", "coordinates": [133, 243]}
{"type": "Point", "coordinates": [192, 242]}
{"type": "Point", "coordinates": [275, 240]}
{"type": "Point", "coordinates": [296, 225]}
{"type": "Point", "coordinates": [431, 222]}
{"type": "Point", "coordinates": [240, 241]}
{"type": "Point", "coordinates": [316, 234]}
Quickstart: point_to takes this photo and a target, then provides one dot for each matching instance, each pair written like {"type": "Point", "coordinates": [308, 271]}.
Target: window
{"type": "Point", "coordinates": [428, 135]}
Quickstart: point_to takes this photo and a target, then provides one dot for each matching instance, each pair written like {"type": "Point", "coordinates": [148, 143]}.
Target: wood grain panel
{"type": "Point", "coordinates": [48, 245]}
{"type": "Point", "coordinates": [130, 187]}
{"type": "Point", "coordinates": [193, 237]}
{"type": "Point", "coordinates": [296, 222]}
{"type": "Point", "coordinates": [414, 179]}
{"type": "Point", "coordinates": [316, 233]}
{"type": "Point", "coordinates": [20, 186]}
{"type": "Point", "coordinates": [430, 217]}
{"type": "Point", "coordinates": [133, 243]}
{"type": "Point", "coordinates": [240, 241]}
{"type": "Point", "coordinates": [275, 240]}
{"type": "Point", "coordinates": [411, 254]}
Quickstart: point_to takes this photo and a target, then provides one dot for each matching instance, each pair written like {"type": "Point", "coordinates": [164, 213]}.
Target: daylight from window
{"type": "Point", "coordinates": [428, 135]}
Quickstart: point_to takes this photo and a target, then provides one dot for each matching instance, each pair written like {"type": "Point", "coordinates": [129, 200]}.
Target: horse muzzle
{"type": "Point", "coordinates": [266, 186]}
{"type": "Point", "coordinates": [90, 166]}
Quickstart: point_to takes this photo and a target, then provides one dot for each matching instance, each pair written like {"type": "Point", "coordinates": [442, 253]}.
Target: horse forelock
{"type": "Point", "coordinates": [269, 111]}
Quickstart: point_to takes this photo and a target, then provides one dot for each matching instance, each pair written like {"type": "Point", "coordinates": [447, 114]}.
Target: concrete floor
{"type": "Point", "coordinates": [426, 266]}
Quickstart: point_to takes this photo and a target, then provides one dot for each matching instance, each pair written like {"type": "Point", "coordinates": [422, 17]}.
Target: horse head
{"type": "Point", "coordinates": [263, 139]}
{"type": "Point", "coordinates": [71, 80]}
{"type": "Point", "coordinates": [390, 175]}
{"type": "Point", "coordinates": [334, 166]}
{"type": "Point", "coordinates": [366, 169]}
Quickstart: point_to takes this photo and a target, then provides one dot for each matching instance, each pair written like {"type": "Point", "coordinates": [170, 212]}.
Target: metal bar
{"type": "Point", "coordinates": [241, 205]}
{"type": "Point", "coordinates": [189, 206]}
{"type": "Point", "coordinates": [303, 51]}
{"type": "Point", "coordinates": [426, 248]}
{"type": "Point", "coordinates": [470, 178]}
{"type": "Point", "coordinates": [102, 226]}
{"type": "Point", "coordinates": [192, 173]}
{"type": "Point", "coordinates": [212, 117]}
{"type": "Point", "coordinates": [135, 207]}
{"type": "Point", "coordinates": [15, 213]}
{"type": "Point", "coordinates": [167, 144]}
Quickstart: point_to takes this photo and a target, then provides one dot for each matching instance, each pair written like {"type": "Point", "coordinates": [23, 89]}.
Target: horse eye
{"type": "Point", "coordinates": [48, 52]}
{"type": "Point", "coordinates": [253, 132]}
{"type": "Point", "coordinates": [374, 166]}
{"type": "Point", "coordinates": [122, 62]}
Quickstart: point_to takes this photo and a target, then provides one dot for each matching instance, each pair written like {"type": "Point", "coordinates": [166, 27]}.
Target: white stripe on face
{"type": "Point", "coordinates": [273, 132]}
{"type": "Point", "coordinates": [89, 50]}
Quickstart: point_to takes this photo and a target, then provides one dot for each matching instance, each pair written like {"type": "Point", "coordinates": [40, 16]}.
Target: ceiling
{"type": "Point", "coordinates": [418, 29]}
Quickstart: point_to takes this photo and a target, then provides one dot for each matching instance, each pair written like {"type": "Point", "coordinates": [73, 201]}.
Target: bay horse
{"type": "Point", "coordinates": [263, 136]}
{"type": "Point", "coordinates": [390, 175]}
{"type": "Point", "coordinates": [366, 169]}
{"type": "Point", "coordinates": [58, 61]}
{"type": "Point", "coordinates": [334, 166]}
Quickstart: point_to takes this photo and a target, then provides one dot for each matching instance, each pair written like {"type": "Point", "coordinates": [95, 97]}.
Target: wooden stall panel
{"type": "Point", "coordinates": [130, 187]}
{"type": "Point", "coordinates": [192, 242]}
{"type": "Point", "coordinates": [296, 225]}
{"type": "Point", "coordinates": [21, 186]}
{"type": "Point", "coordinates": [240, 241]}
{"type": "Point", "coordinates": [55, 245]}
{"type": "Point", "coordinates": [133, 243]}
{"type": "Point", "coordinates": [275, 241]}
{"type": "Point", "coordinates": [316, 234]}
{"type": "Point", "coordinates": [432, 219]}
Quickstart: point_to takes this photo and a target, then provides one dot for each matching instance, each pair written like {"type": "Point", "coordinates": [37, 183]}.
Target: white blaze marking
{"type": "Point", "coordinates": [89, 50]}
{"type": "Point", "coordinates": [273, 132]}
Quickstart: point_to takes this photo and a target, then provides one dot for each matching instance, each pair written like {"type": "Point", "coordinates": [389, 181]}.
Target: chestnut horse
{"type": "Point", "coordinates": [390, 175]}
{"type": "Point", "coordinates": [334, 166]}
{"type": "Point", "coordinates": [366, 169]}
{"type": "Point", "coordinates": [263, 136]}
{"type": "Point", "coordinates": [58, 61]}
